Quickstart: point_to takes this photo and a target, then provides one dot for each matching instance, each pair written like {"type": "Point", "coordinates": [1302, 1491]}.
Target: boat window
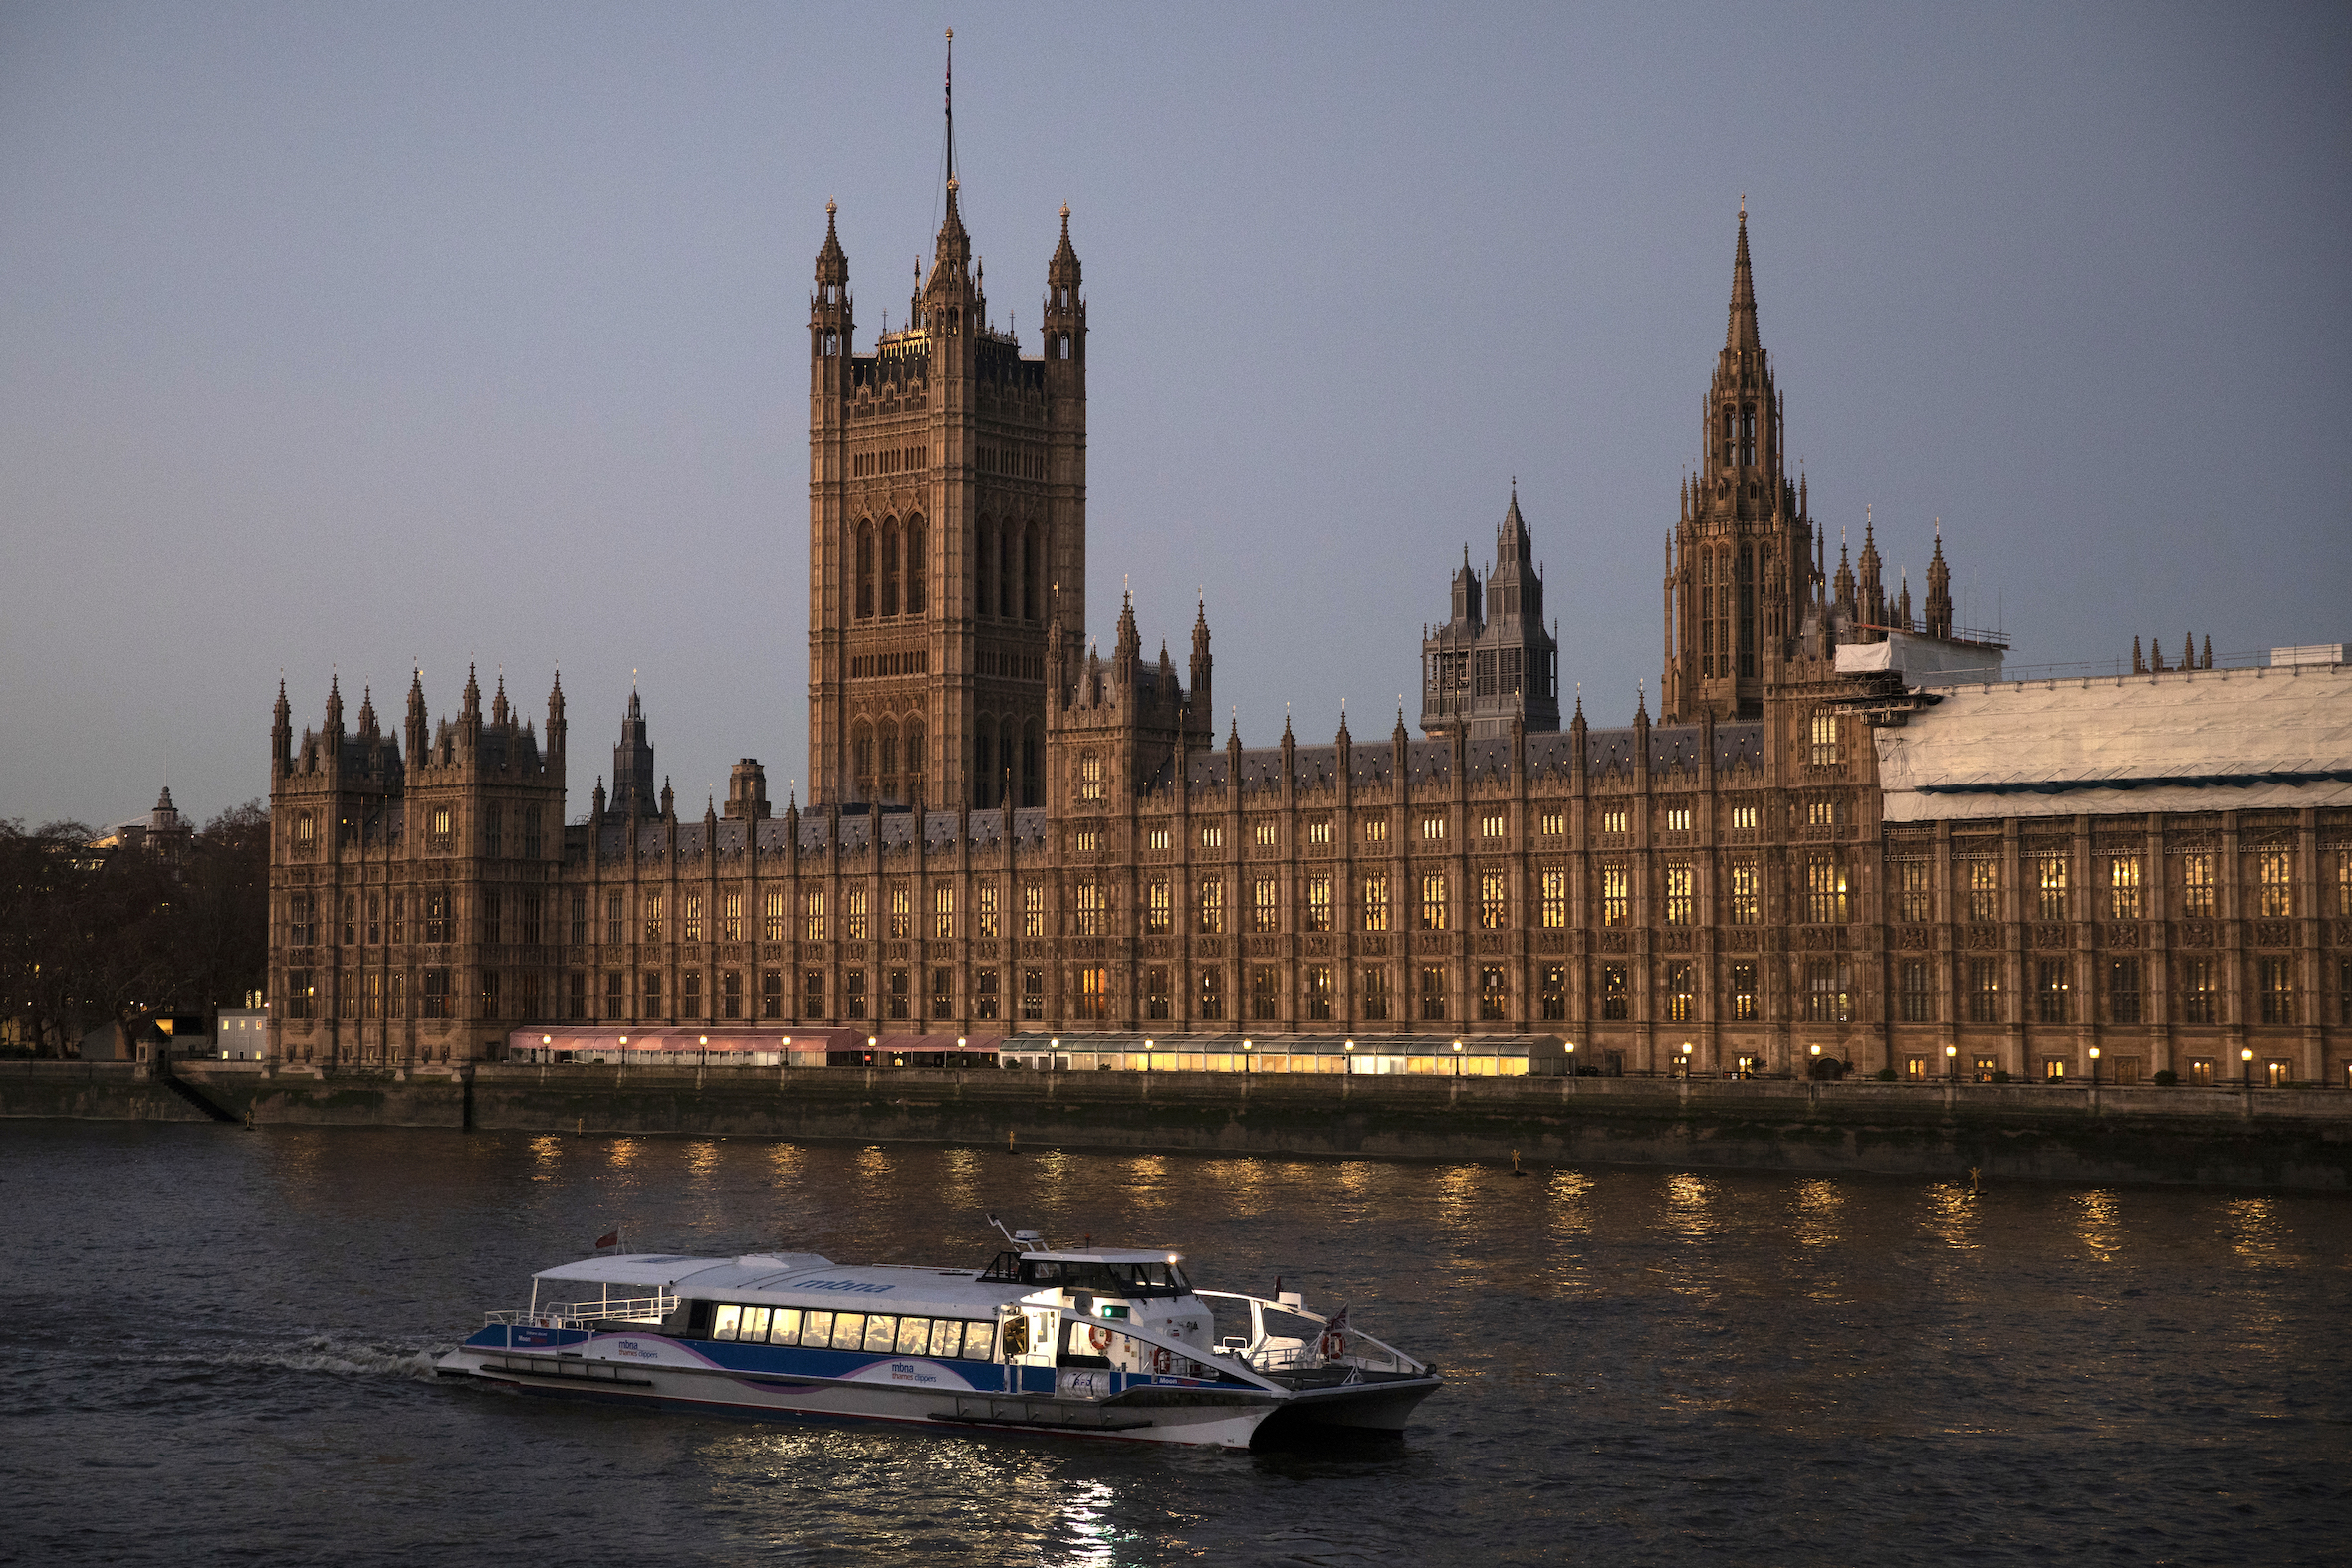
{"type": "Point", "coordinates": [728, 1317]}
{"type": "Point", "coordinates": [980, 1341]}
{"type": "Point", "coordinates": [816, 1328]}
{"type": "Point", "coordinates": [947, 1338]}
{"type": "Point", "coordinates": [914, 1335]}
{"type": "Point", "coordinates": [881, 1334]}
{"type": "Point", "coordinates": [849, 1330]}
{"type": "Point", "coordinates": [785, 1329]}
{"type": "Point", "coordinates": [754, 1323]}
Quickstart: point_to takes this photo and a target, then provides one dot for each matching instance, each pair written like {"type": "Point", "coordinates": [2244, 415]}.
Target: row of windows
{"type": "Point", "coordinates": [1825, 992]}
{"type": "Point", "coordinates": [889, 460]}
{"type": "Point", "coordinates": [1434, 826]}
{"type": "Point", "coordinates": [440, 832]}
{"type": "Point", "coordinates": [2120, 891]}
{"type": "Point", "coordinates": [875, 1333]}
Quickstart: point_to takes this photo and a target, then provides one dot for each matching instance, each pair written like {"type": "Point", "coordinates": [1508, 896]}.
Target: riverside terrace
{"type": "Point", "coordinates": [1471, 1055]}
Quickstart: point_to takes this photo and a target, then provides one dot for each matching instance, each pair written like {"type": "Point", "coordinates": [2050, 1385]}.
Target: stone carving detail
{"type": "Point", "coordinates": [1676, 942]}
{"type": "Point", "coordinates": [1265, 947]}
{"type": "Point", "coordinates": [1552, 941]}
{"type": "Point", "coordinates": [1914, 938]}
{"type": "Point", "coordinates": [1155, 947]}
{"type": "Point", "coordinates": [1318, 944]}
{"type": "Point", "coordinates": [986, 951]}
{"type": "Point", "coordinates": [2050, 935]}
{"type": "Point", "coordinates": [1741, 940]}
{"type": "Point", "coordinates": [1616, 942]}
{"type": "Point", "coordinates": [2197, 933]}
{"type": "Point", "coordinates": [2122, 934]}
{"type": "Point", "coordinates": [1984, 938]}
{"type": "Point", "coordinates": [1208, 946]}
{"type": "Point", "coordinates": [1372, 943]}
{"type": "Point", "coordinates": [2273, 933]}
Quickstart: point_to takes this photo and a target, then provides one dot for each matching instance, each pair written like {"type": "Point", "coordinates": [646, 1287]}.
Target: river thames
{"type": "Point", "coordinates": [223, 1343]}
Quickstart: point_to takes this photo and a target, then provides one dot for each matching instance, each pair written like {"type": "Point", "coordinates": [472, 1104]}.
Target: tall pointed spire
{"type": "Point", "coordinates": [1741, 332]}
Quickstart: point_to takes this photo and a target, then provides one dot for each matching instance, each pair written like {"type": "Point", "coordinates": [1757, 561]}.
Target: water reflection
{"type": "Point", "coordinates": [545, 1158]}
{"type": "Point", "coordinates": [1818, 1203]}
{"type": "Point", "coordinates": [1952, 1216]}
{"type": "Point", "coordinates": [2098, 1227]}
{"type": "Point", "coordinates": [2254, 1233]}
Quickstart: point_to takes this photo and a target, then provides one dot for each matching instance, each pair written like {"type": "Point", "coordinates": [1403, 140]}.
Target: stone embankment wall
{"type": "Point", "coordinates": [2284, 1138]}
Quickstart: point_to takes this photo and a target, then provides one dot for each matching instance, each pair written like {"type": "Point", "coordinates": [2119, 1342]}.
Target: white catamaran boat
{"type": "Point", "coordinates": [1099, 1343]}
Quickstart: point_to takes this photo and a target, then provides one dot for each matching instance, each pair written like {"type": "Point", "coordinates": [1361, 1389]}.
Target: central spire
{"type": "Point", "coordinates": [1741, 332]}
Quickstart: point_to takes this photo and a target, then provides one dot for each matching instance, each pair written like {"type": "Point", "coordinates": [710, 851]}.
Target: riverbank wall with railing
{"type": "Point", "coordinates": [2249, 1136]}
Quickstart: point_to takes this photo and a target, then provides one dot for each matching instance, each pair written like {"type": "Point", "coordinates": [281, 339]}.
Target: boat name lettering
{"type": "Point", "coordinates": [855, 1285]}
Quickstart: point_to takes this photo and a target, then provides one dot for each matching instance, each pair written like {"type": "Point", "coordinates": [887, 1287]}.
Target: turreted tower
{"type": "Point", "coordinates": [946, 513]}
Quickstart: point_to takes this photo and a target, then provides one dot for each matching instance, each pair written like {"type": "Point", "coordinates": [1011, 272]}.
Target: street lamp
{"type": "Point", "coordinates": [1952, 1055]}
{"type": "Point", "coordinates": [2094, 1067]}
{"type": "Point", "coordinates": [1350, 1068]}
{"type": "Point", "coordinates": [1245, 1055]}
{"type": "Point", "coordinates": [2247, 1056]}
{"type": "Point", "coordinates": [1571, 1056]}
{"type": "Point", "coordinates": [1457, 1059]}
{"type": "Point", "coordinates": [1686, 1058]}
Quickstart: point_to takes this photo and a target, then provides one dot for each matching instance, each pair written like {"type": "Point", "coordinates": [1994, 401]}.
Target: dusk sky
{"type": "Point", "coordinates": [337, 338]}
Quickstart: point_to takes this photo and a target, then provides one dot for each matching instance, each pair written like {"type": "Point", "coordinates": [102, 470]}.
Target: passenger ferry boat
{"type": "Point", "coordinates": [1098, 1343]}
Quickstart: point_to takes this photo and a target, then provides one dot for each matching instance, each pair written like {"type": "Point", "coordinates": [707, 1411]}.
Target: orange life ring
{"type": "Point", "coordinates": [1099, 1337]}
{"type": "Point", "coordinates": [1333, 1343]}
{"type": "Point", "coordinates": [1161, 1361]}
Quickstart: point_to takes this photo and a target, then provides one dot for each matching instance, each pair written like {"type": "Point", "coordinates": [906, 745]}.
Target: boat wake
{"type": "Point", "coordinates": [319, 1353]}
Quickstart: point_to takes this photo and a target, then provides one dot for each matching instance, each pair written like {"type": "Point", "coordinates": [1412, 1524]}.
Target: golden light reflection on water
{"type": "Point", "coordinates": [547, 1158]}
{"type": "Point", "coordinates": [874, 1164]}
{"type": "Point", "coordinates": [784, 1161]}
{"type": "Point", "coordinates": [2254, 1234]}
{"type": "Point", "coordinates": [702, 1157]}
{"type": "Point", "coordinates": [621, 1153]}
{"type": "Point", "coordinates": [957, 1184]}
{"type": "Point", "coordinates": [1952, 1215]}
{"type": "Point", "coordinates": [1570, 1201]}
{"type": "Point", "coordinates": [1819, 1206]}
{"type": "Point", "coordinates": [2098, 1225]}
{"type": "Point", "coordinates": [1085, 1507]}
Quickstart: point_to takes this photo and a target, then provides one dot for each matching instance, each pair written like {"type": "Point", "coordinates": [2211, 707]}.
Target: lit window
{"type": "Point", "coordinates": [2123, 887]}
{"type": "Point", "coordinates": [984, 913]}
{"type": "Point", "coordinates": [1090, 776]}
{"type": "Point", "coordinates": [854, 917]}
{"type": "Point", "coordinates": [1433, 829]}
{"type": "Point", "coordinates": [1745, 903]}
{"type": "Point", "coordinates": [1158, 838]}
{"type": "Point", "coordinates": [1555, 899]}
{"type": "Point", "coordinates": [1433, 901]}
{"type": "Point", "coordinates": [772, 915]}
{"type": "Point", "coordinates": [1825, 892]}
{"type": "Point", "coordinates": [1212, 836]}
{"type": "Point", "coordinates": [1264, 834]}
{"type": "Point", "coordinates": [1678, 895]}
{"type": "Point", "coordinates": [1913, 899]}
{"type": "Point", "coordinates": [812, 915]}
{"type": "Point", "coordinates": [1318, 902]}
{"type": "Point", "coordinates": [1615, 895]}
{"type": "Point", "coordinates": [1493, 905]}
{"type": "Point", "coordinates": [1212, 908]}
{"type": "Point", "coordinates": [1555, 823]}
{"type": "Point", "coordinates": [731, 917]}
{"type": "Point", "coordinates": [1087, 841]}
{"type": "Point", "coordinates": [1490, 825]}
{"type": "Point", "coordinates": [1033, 910]}
{"type": "Point", "coordinates": [1743, 817]}
{"type": "Point", "coordinates": [1678, 819]}
{"type": "Point", "coordinates": [1376, 831]}
{"type": "Point", "coordinates": [1375, 903]}
{"type": "Point", "coordinates": [1614, 820]}
{"type": "Point", "coordinates": [943, 912]}
{"type": "Point", "coordinates": [652, 907]}
{"type": "Point", "coordinates": [1265, 915]}
{"type": "Point", "coordinates": [2197, 886]}
{"type": "Point", "coordinates": [2276, 868]}
{"type": "Point", "coordinates": [1983, 887]}
{"type": "Point", "coordinates": [1088, 918]}
{"type": "Point", "coordinates": [1826, 751]}
{"type": "Point", "coordinates": [2050, 877]}
{"type": "Point", "coordinates": [693, 932]}
{"type": "Point", "coordinates": [1158, 909]}
{"type": "Point", "coordinates": [1318, 831]}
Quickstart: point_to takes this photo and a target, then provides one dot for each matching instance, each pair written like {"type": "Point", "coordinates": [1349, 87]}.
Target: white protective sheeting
{"type": "Point", "coordinates": [1921, 661]}
{"type": "Point", "coordinates": [2185, 741]}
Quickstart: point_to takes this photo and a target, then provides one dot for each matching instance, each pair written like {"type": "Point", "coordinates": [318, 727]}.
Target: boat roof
{"type": "Point", "coordinates": [810, 1280]}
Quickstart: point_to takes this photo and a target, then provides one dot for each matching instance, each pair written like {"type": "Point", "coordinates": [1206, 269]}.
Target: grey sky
{"type": "Point", "coordinates": [338, 336]}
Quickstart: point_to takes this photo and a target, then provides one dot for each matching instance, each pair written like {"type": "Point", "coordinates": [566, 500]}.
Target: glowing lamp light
{"type": "Point", "coordinates": [871, 1042]}
{"type": "Point", "coordinates": [706, 1040]}
{"type": "Point", "coordinates": [1458, 1046]}
{"type": "Point", "coordinates": [2094, 1053]}
{"type": "Point", "coordinates": [624, 1040]}
{"type": "Point", "coordinates": [1351, 1045]}
{"type": "Point", "coordinates": [1816, 1050]}
{"type": "Point", "coordinates": [1952, 1050]}
{"type": "Point", "coordinates": [547, 1040]}
{"type": "Point", "coordinates": [2246, 1055]}
{"type": "Point", "coordinates": [1245, 1044]}
{"type": "Point", "coordinates": [1687, 1049]}
{"type": "Point", "coordinates": [960, 1042]}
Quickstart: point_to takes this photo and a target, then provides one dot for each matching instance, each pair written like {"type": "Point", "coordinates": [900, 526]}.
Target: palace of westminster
{"type": "Point", "coordinates": [1844, 834]}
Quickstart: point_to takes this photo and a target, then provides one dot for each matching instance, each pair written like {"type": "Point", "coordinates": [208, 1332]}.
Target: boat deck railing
{"type": "Point", "coordinates": [1266, 1353]}
{"type": "Point", "coordinates": [576, 1314]}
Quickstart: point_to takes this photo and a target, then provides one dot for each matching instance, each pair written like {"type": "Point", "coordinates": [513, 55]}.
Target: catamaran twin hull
{"type": "Point", "coordinates": [1102, 1344]}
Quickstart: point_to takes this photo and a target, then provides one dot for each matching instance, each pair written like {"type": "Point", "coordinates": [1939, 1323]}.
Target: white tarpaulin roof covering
{"type": "Point", "coordinates": [2184, 741]}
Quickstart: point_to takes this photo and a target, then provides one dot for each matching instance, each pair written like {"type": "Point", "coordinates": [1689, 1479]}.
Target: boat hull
{"type": "Point", "coordinates": [654, 1370]}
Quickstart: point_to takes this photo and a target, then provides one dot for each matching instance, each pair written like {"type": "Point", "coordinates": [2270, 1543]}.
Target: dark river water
{"type": "Point", "coordinates": [219, 1353]}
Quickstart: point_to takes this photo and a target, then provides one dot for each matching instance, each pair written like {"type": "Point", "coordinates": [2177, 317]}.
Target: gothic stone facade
{"type": "Point", "coordinates": [1006, 835]}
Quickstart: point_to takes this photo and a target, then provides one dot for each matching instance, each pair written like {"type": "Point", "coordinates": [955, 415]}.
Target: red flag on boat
{"type": "Point", "coordinates": [608, 1238]}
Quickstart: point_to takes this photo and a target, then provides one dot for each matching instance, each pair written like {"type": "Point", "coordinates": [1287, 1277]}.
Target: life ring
{"type": "Point", "coordinates": [1099, 1337]}
{"type": "Point", "coordinates": [1161, 1360]}
{"type": "Point", "coordinates": [1333, 1343]}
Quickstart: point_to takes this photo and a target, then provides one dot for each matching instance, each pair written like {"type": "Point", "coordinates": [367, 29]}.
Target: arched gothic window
{"type": "Point", "coordinates": [865, 571]}
{"type": "Point", "coordinates": [984, 554]}
{"type": "Point", "coordinates": [915, 759]}
{"type": "Point", "coordinates": [1031, 767]}
{"type": "Point", "coordinates": [1035, 548]}
{"type": "Point", "coordinates": [862, 761]}
{"type": "Point", "coordinates": [886, 742]}
{"type": "Point", "coordinates": [917, 588]}
{"type": "Point", "coordinates": [889, 566]}
{"type": "Point", "coordinates": [984, 750]}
